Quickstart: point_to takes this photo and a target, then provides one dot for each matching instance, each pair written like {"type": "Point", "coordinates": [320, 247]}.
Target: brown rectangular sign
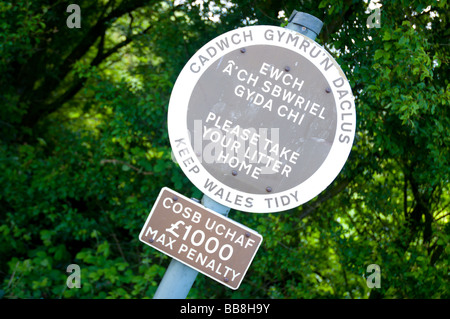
{"type": "Point", "coordinates": [203, 239]}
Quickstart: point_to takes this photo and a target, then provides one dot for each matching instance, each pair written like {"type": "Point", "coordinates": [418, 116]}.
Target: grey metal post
{"type": "Point", "coordinates": [179, 278]}
{"type": "Point", "coordinates": [305, 24]}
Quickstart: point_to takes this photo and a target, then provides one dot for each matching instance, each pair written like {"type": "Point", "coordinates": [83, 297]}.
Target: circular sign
{"type": "Point", "coordinates": [261, 119]}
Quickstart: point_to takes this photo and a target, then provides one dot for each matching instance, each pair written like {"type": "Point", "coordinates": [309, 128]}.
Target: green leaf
{"type": "Point", "coordinates": [378, 54]}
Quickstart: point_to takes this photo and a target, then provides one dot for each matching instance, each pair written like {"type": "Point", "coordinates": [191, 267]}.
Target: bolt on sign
{"type": "Point", "coordinates": [210, 243]}
{"type": "Point", "coordinates": [261, 119]}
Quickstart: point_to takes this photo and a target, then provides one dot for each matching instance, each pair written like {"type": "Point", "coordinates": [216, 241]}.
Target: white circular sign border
{"type": "Point", "coordinates": [177, 124]}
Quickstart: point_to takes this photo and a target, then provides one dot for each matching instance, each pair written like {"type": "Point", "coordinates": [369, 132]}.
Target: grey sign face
{"type": "Point", "coordinates": [200, 238]}
{"type": "Point", "coordinates": [261, 117]}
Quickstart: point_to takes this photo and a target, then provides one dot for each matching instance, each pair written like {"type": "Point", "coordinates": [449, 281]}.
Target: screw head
{"type": "Point", "coordinates": [243, 50]}
{"type": "Point", "coordinates": [247, 234]}
{"type": "Point", "coordinates": [328, 90]}
{"type": "Point", "coordinates": [268, 189]}
{"type": "Point", "coordinates": [151, 240]}
{"type": "Point", "coordinates": [226, 279]}
{"type": "Point", "coordinates": [234, 173]}
{"type": "Point", "coordinates": [175, 198]}
{"type": "Point", "coordinates": [287, 68]}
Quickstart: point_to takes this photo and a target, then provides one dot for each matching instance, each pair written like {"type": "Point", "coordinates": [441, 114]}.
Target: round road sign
{"type": "Point", "coordinates": [261, 119]}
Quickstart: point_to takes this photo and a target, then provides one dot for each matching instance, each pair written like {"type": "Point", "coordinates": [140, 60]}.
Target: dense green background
{"type": "Point", "coordinates": [84, 150]}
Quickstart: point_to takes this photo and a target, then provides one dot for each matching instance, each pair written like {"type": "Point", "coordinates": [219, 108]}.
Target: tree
{"type": "Point", "coordinates": [85, 150]}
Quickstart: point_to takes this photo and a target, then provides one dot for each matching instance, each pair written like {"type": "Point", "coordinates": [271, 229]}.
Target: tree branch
{"type": "Point", "coordinates": [116, 48]}
{"type": "Point", "coordinates": [38, 96]}
{"type": "Point", "coordinates": [99, 58]}
{"type": "Point", "coordinates": [115, 161]}
{"type": "Point", "coordinates": [309, 208]}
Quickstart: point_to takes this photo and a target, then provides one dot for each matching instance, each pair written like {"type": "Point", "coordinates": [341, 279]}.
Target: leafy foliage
{"type": "Point", "coordinates": [85, 151]}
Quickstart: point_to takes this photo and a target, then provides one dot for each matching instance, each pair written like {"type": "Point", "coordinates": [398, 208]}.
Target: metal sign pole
{"type": "Point", "coordinates": [179, 278]}
{"type": "Point", "coordinates": [304, 23]}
